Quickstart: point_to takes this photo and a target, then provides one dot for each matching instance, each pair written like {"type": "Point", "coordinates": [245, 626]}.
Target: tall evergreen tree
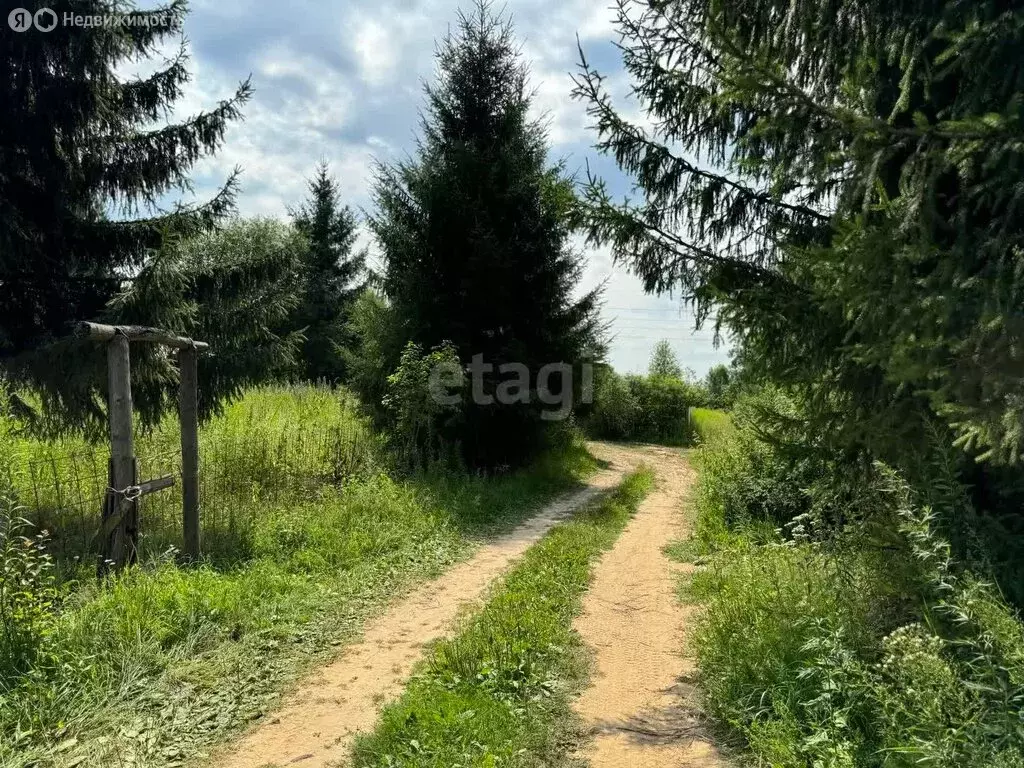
{"type": "Point", "coordinates": [475, 233]}
{"type": "Point", "coordinates": [85, 167]}
{"type": "Point", "coordinates": [333, 275]}
{"type": "Point", "coordinates": [843, 181]}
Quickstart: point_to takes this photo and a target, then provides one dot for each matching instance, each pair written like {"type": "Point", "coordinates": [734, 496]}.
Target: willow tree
{"type": "Point", "coordinates": [89, 170]}
{"type": "Point", "coordinates": [843, 180]}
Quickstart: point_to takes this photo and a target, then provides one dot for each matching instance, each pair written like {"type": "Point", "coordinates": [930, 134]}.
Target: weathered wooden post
{"type": "Point", "coordinates": [121, 533]}
{"type": "Point", "coordinates": [119, 530]}
{"type": "Point", "coordinates": [188, 415]}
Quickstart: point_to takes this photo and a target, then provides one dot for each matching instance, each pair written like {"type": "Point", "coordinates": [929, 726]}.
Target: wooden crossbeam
{"type": "Point", "coordinates": [119, 529]}
{"type": "Point", "coordinates": [100, 332]}
{"type": "Point", "coordinates": [157, 484]}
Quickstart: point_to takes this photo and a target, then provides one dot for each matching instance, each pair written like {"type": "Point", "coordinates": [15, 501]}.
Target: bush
{"type": "Point", "coordinates": [643, 408]}
{"type": "Point", "coordinates": [746, 484]}
{"type": "Point", "coordinates": [864, 647]}
{"type": "Point", "coordinates": [814, 659]}
{"type": "Point", "coordinates": [421, 420]}
{"type": "Point", "coordinates": [27, 595]}
{"type": "Point", "coordinates": [375, 329]}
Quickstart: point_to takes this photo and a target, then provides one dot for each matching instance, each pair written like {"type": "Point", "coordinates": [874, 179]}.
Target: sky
{"type": "Point", "coordinates": [342, 81]}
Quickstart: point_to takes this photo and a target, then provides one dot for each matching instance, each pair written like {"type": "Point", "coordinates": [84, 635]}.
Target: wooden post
{"type": "Point", "coordinates": [118, 534]}
{"type": "Point", "coordinates": [188, 414]}
{"type": "Point", "coordinates": [117, 546]}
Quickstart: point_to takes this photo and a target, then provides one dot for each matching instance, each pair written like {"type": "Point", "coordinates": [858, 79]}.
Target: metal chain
{"type": "Point", "coordinates": [131, 493]}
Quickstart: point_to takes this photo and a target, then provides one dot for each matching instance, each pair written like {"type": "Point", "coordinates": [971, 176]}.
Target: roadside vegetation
{"type": "Point", "coordinates": [153, 664]}
{"type": "Point", "coordinates": [499, 691]}
{"type": "Point", "coordinates": [837, 627]}
{"type": "Point", "coordinates": [835, 191]}
{"type": "Point", "coordinates": [654, 408]}
{"type": "Point", "coordinates": [708, 423]}
{"type": "Point", "coordinates": [836, 188]}
{"type": "Point", "coordinates": [275, 443]}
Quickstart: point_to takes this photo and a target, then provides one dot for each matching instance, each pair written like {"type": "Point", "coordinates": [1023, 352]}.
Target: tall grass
{"type": "Point", "coordinates": [273, 443]}
{"type": "Point", "coordinates": [154, 664]}
{"type": "Point", "coordinates": [709, 424]}
{"type": "Point", "coordinates": [497, 694]}
{"type": "Point", "coordinates": [868, 647]}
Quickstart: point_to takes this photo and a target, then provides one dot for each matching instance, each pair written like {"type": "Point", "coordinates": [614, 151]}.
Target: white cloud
{"type": "Point", "coordinates": [375, 50]}
{"type": "Point", "coordinates": [342, 81]}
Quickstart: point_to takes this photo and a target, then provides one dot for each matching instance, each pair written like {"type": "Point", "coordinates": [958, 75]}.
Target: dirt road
{"type": "Point", "coordinates": [316, 726]}
{"type": "Point", "coordinates": [636, 708]}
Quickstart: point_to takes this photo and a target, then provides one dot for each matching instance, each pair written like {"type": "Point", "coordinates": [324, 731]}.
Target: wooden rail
{"type": "Point", "coordinates": [119, 528]}
{"type": "Point", "coordinates": [99, 332]}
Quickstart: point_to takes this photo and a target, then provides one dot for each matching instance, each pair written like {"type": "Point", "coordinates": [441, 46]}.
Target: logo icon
{"type": "Point", "coordinates": [20, 20]}
{"type": "Point", "coordinates": [45, 19]}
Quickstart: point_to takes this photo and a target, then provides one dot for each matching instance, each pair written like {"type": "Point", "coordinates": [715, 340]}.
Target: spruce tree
{"type": "Point", "coordinates": [86, 169]}
{"type": "Point", "coordinates": [843, 181]}
{"type": "Point", "coordinates": [333, 275]}
{"type": "Point", "coordinates": [475, 234]}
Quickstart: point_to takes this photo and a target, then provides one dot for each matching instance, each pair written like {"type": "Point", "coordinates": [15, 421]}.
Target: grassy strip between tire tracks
{"type": "Point", "coordinates": [498, 693]}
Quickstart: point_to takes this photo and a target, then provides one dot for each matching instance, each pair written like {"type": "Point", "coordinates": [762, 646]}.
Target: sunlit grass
{"type": "Point", "coordinates": [153, 665]}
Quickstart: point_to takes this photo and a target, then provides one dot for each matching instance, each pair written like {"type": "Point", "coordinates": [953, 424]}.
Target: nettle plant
{"type": "Point", "coordinates": [28, 593]}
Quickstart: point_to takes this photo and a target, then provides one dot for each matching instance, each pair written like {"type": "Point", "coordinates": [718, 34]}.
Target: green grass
{"type": "Point", "coordinates": [270, 445]}
{"type": "Point", "coordinates": [708, 424]}
{"type": "Point", "coordinates": [498, 693]}
{"type": "Point", "coordinates": [866, 649]}
{"type": "Point", "coordinates": [160, 662]}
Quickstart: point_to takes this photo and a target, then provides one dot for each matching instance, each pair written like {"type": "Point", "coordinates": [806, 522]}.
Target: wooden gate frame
{"type": "Point", "coordinates": [119, 528]}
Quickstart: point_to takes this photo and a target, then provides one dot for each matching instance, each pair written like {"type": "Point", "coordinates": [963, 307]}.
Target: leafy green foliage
{"type": "Point", "coordinates": [664, 362]}
{"type": "Point", "coordinates": [236, 289]}
{"type": "Point", "coordinates": [27, 595]}
{"type": "Point", "coordinates": [652, 409]}
{"type": "Point", "coordinates": [498, 692]}
{"type": "Point", "coordinates": [478, 208]}
{"type": "Point", "coordinates": [79, 142]}
{"type": "Point", "coordinates": [867, 647]}
{"type": "Point", "coordinates": [377, 344]}
{"type": "Point", "coordinates": [746, 483]}
{"type": "Point", "coordinates": [424, 395]}
{"type": "Point", "coordinates": [721, 384]}
{"type": "Point", "coordinates": [842, 190]}
{"type": "Point", "coordinates": [332, 277]}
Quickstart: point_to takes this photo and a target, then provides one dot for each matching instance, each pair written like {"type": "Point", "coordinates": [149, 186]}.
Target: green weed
{"type": "Point", "coordinates": [275, 443]}
{"type": "Point", "coordinates": [708, 424]}
{"type": "Point", "coordinates": [869, 647]}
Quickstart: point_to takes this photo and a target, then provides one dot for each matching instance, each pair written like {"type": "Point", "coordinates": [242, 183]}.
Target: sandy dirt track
{"type": "Point", "coordinates": [638, 708]}
{"type": "Point", "coordinates": [317, 724]}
